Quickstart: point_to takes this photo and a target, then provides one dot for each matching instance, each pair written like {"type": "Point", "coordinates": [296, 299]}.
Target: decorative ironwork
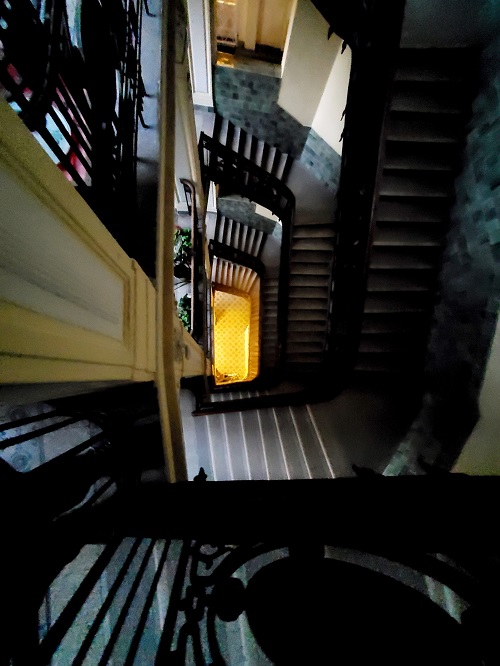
{"type": "Point", "coordinates": [255, 571]}
{"type": "Point", "coordinates": [237, 174]}
{"type": "Point", "coordinates": [74, 78]}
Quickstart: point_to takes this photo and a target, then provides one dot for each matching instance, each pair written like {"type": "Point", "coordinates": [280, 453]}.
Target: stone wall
{"type": "Point", "coordinates": [250, 101]}
{"type": "Point", "coordinates": [469, 296]}
{"type": "Point", "coordinates": [243, 211]}
{"type": "Point", "coordinates": [322, 160]}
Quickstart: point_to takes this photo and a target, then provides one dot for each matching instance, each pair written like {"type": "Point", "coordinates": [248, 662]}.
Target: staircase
{"type": "Point", "coordinates": [311, 257]}
{"type": "Point", "coordinates": [268, 157]}
{"type": "Point", "coordinates": [269, 324]}
{"type": "Point", "coordinates": [422, 149]}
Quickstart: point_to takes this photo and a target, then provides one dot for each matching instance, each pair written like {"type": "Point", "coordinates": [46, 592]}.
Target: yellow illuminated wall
{"type": "Point", "coordinates": [232, 315]}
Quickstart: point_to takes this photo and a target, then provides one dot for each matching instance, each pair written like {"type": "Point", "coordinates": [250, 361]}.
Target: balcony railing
{"type": "Point", "coordinates": [237, 174]}
{"type": "Point", "coordinates": [73, 75]}
{"type": "Point", "coordinates": [106, 562]}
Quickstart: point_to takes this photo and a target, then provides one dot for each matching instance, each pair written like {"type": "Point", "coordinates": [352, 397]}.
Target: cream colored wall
{"type": "Point", "coordinates": [481, 454]}
{"type": "Point", "coordinates": [272, 24]}
{"type": "Point", "coordinates": [248, 19]}
{"type": "Point", "coordinates": [73, 306]}
{"type": "Point", "coordinates": [328, 121]}
{"type": "Point", "coordinates": [307, 63]}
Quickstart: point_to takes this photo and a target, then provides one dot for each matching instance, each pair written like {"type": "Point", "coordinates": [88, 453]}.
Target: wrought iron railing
{"type": "Point", "coordinates": [237, 174]}
{"type": "Point", "coordinates": [217, 573]}
{"type": "Point", "coordinates": [72, 72]}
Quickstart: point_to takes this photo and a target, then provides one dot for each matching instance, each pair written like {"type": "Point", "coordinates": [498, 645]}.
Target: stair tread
{"type": "Point", "coordinates": [399, 281]}
{"type": "Point", "coordinates": [307, 316]}
{"type": "Point", "coordinates": [313, 244]}
{"type": "Point", "coordinates": [429, 128]}
{"type": "Point", "coordinates": [294, 347]}
{"type": "Point", "coordinates": [396, 362]}
{"type": "Point", "coordinates": [311, 256]}
{"type": "Point", "coordinates": [308, 292]}
{"type": "Point", "coordinates": [415, 184]}
{"type": "Point", "coordinates": [433, 64]}
{"type": "Point", "coordinates": [296, 325]}
{"type": "Point", "coordinates": [308, 281]}
{"type": "Point", "coordinates": [410, 236]}
{"type": "Point", "coordinates": [313, 231]}
{"type": "Point", "coordinates": [394, 322]}
{"type": "Point", "coordinates": [307, 303]}
{"type": "Point", "coordinates": [305, 336]}
{"type": "Point", "coordinates": [427, 97]}
{"type": "Point", "coordinates": [420, 156]}
{"type": "Point", "coordinates": [312, 357]}
{"type": "Point", "coordinates": [428, 210]}
{"type": "Point", "coordinates": [397, 302]}
{"type": "Point", "coordinates": [403, 258]}
{"type": "Point", "coordinates": [390, 343]}
{"type": "Point", "coordinates": [304, 268]}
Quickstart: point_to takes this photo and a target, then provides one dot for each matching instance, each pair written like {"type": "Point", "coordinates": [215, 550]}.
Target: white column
{"type": "Point", "coordinates": [248, 19]}
{"type": "Point", "coordinates": [200, 38]}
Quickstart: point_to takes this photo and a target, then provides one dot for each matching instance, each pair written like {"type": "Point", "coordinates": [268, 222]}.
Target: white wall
{"type": "Point", "coordinates": [328, 121]}
{"type": "Point", "coordinates": [481, 454]}
{"type": "Point", "coordinates": [307, 63]}
{"type": "Point", "coordinates": [200, 51]}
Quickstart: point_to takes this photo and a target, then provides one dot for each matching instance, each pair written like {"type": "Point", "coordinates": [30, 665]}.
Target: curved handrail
{"type": "Point", "coordinates": [237, 174]}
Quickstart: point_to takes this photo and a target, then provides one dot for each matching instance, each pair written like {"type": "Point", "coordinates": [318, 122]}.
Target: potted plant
{"type": "Point", "coordinates": [184, 310]}
{"type": "Point", "coordinates": [182, 253]}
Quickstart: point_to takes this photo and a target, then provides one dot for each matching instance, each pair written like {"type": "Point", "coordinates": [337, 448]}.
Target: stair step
{"type": "Point", "coordinates": [313, 244]}
{"type": "Point", "coordinates": [304, 268]}
{"type": "Point", "coordinates": [407, 235]}
{"type": "Point", "coordinates": [386, 363]}
{"type": "Point", "coordinates": [427, 97]}
{"type": "Point", "coordinates": [308, 304]}
{"type": "Point", "coordinates": [308, 281]}
{"type": "Point", "coordinates": [306, 316]}
{"type": "Point", "coordinates": [305, 336]}
{"type": "Point", "coordinates": [397, 302]}
{"type": "Point", "coordinates": [383, 344]}
{"type": "Point", "coordinates": [428, 128]}
{"type": "Point", "coordinates": [433, 64]}
{"type": "Point", "coordinates": [298, 324]}
{"type": "Point", "coordinates": [415, 184]}
{"type": "Point", "coordinates": [394, 322]}
{"type": "Point", "coordinates": [309, 292]}
{"type": "Point", "coordinates": [420, 156]}
{"type": "Point", "coordinates": [313, 357]}
{"type": "Point", "coordinates": [417, 210]}
{"type": "Point", "coordinates": [400, 280]}
{"type": "Point", "coordinates": [313, 231]}
{"type": "Point", "coordinates": [404, 258]}
{"type": "Point", "coordinates": [304, 347]}
{"type": "Point", "coordinates": [312, 257]}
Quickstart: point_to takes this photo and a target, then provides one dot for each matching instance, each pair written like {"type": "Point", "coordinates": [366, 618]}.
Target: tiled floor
{"type": "Point", "coordinates": [249, 64]}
